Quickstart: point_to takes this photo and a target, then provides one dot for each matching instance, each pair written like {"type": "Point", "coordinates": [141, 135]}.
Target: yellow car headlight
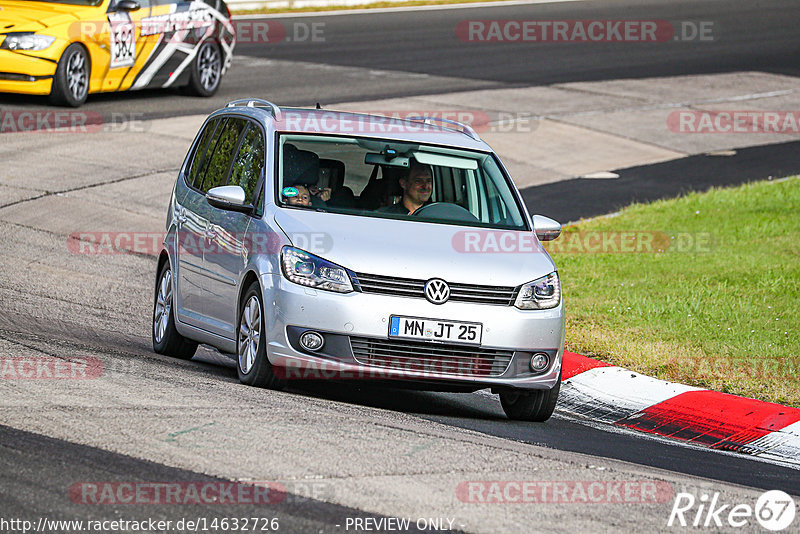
{"type": "Point", "coordinates": [26, 41]}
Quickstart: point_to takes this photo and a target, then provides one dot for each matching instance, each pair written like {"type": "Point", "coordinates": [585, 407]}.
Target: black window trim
{"type": "Point", "coordinates": [188, 167]}
{"type": "Point", "coordinates": [257, 193]}
{"type": "Point", "coordinates": [215, 139]}
{"type": "Point", "coordinates": [236, 151]}
{"type": "Point", "coordinates": [233, 154]}
{"type": "Point", "coordinates": [223, 119]}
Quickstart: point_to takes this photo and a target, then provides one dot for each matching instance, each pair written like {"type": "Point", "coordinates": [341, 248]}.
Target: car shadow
{"type": "Point", "coordinates": [118, 348]}
{"type": "Point", "coordinates": [398, 399]}
{"type": "Point", "coordinates": [41, 101]}
{"type": "Point", "coordinates": [385, 396]}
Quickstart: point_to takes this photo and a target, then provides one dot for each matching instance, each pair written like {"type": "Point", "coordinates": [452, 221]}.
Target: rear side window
{"type": "Point", "coordinates": [249, 162]}
{"type": "Point", "coordinates": [200, 154]}
{"type": "Point", "coordinates": [224, 151]}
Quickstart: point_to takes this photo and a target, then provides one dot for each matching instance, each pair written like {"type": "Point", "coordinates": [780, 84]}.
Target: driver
{"type": "Point", "coordinates": [417, 188]}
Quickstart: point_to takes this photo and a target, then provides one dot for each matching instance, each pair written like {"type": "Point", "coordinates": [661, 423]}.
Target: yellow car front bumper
{"type": "Point", "coordinates": [27, 74]}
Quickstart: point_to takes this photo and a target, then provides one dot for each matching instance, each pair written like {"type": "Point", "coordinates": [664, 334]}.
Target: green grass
{"type": "Point", "coordinates": [724, 315]}
{"type": "Point", "coordinates": [372, 5]}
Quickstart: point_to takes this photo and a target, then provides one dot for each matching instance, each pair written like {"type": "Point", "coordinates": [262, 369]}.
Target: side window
{"type": "Point", "coordinates": [224, 150]}
{"type": "Point", "coordinates": [249, 162]}
{"type": "Point", "coordinates": [475, 195]}
{"type": "Point", "coordinates": [497, 208]}
{"type": "Point", "coordinates": [200, 153]}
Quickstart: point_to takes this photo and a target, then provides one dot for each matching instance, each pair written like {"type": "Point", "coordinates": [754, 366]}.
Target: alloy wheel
{"type": "Point", "coordinates": [249, 334]}
{"type": "Point", "coordinates": [163, 306]}
{"type": "Point", "coordinates": [77, 75]}
{"type": "Point", "coordinates": [209, 67]}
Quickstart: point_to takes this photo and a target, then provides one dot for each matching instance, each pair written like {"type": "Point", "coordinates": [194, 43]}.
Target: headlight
{"type": "Point", "coordinates": [540, 294]}
{"type": "Point", "coordinates": [26, 41]}
{"type": "Point", "coordinates": [308, 270]}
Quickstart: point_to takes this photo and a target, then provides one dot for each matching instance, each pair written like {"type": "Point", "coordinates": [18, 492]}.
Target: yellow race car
{"type": "Point", "coordinates": [70, 48]}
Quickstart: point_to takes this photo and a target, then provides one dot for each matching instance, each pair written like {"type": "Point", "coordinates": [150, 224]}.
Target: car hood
{"type": "Point", "coordinates": [35, 16]}
{"type": "Point", "coordinates": [411, 249]}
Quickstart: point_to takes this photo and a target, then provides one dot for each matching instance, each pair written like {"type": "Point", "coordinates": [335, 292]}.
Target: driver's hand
{"type": "Point", "coordinates": [324, 194]}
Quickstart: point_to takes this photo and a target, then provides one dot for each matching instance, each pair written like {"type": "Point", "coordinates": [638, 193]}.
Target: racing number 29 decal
{"type": "Point", "coordinates": [123, 40]}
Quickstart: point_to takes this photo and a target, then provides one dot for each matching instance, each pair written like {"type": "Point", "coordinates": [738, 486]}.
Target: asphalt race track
{"type": "Point", "coordinates": [418, 52]}
{"type": "Point", "coordinates": [375, 453]}
{"type": "Point", "coordinates": [578, 198]}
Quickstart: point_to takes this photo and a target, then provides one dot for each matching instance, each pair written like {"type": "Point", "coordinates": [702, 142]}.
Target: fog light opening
{"type": "Point", "coordinates": [312, 341]}
{"type": "Point", "coordinates": [539, 362]}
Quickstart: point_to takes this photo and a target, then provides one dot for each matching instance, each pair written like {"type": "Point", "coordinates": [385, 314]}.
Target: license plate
{"type": "Point", "coordinates": [435, 330]}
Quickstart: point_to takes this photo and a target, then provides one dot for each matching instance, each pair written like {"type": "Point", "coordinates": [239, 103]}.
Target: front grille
{"type": "Point", "coordinates": [410, 287]}
{"type": "Point", "coordinates": [430, 358]}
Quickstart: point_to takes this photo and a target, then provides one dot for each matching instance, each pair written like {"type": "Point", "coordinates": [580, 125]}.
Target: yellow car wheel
{"type": "Point", "coordinates": [71, 81]}
{"type": "Point", "coordinates": [206, 70]}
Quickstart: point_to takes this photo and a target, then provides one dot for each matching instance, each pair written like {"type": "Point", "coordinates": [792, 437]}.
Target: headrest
{"type": "Point", "coordinates": [300, 167]}
{"type": "Point", "coordinates": [337, 172]}
{"type": "Point", "coordinates": [391, 180]}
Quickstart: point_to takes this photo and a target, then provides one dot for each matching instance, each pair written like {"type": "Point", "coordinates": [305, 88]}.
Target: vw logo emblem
{"type": "Point", "coordinates": [437, 291]}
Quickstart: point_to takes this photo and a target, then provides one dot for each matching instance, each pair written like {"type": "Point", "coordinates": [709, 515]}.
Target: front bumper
{"type": "Point", "coordinates": [356, 320]}
{"type": "Point", "coordinates": [26, 74]}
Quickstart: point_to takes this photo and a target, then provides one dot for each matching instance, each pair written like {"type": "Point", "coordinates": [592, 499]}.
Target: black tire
{"type": "Point", "coordinates": [71, 80]}
{"type": "Point", "coordinates": [535, 406]}
{"type": "Point", "coordinates": [206, 70]}
{"type": "Point", "coordinates": [171, 343]}
{"type": "Point", "coordinates": [257, 372]}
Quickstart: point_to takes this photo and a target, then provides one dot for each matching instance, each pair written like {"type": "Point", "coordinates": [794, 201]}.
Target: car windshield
{"type": "Point", "coordinates": [398, 180]}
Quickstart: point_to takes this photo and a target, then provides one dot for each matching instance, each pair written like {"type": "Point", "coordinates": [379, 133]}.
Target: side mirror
{"type": "Point", "coordinates": [546, 228]}
{"type": "Point", "coordinates": [127, 5]}
{"type": "Point", "coordinates": [228, 197]}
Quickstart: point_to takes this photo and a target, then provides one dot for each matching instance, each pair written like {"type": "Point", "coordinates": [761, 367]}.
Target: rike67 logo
{"type": "Point", "coordinates": [774, 510]}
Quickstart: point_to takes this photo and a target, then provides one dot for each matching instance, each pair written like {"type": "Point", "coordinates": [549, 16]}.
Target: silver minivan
{"type": "Point", "coordinates": [314, 244]}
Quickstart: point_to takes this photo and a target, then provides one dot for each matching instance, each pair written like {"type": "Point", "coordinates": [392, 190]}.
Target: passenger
{"type": "Point", "coordinates": [417, 188]}
{"type": "Point", "coordinates": [297, 195]}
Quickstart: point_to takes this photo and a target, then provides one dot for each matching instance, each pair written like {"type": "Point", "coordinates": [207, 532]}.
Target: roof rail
{"type": "Point", "coordinates": [459, 126]}
{"type": "Point", "coordinates": [257, 102]}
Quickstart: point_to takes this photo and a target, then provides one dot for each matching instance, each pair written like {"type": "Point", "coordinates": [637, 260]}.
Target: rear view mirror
{"type": "Point", "coordinates": [228, 197]}
{"type": "Point", "coordinates": [546, 228]}
{"type": "Point", "coordinates": [381, 159]}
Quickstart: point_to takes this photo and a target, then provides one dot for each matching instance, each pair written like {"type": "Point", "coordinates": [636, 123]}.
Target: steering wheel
{"type": "Point", "coordinates": [446, 211]}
